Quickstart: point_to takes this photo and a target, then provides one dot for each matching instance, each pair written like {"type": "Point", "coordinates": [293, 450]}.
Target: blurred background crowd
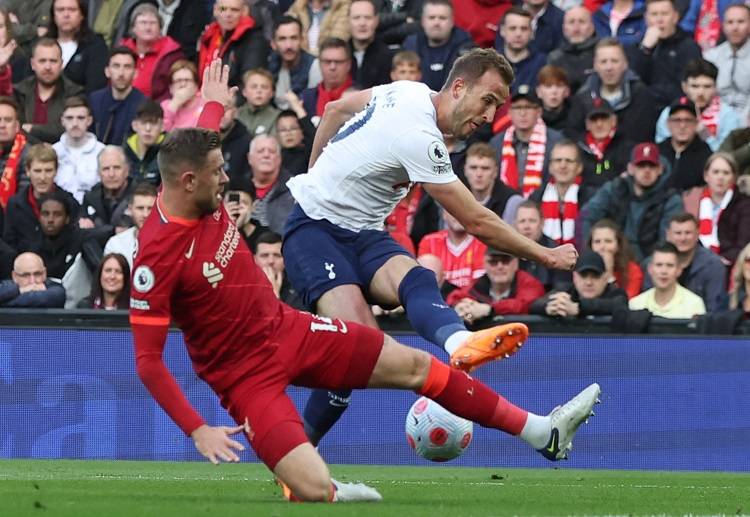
{"type": "Point", "coordinates": [626, 133]}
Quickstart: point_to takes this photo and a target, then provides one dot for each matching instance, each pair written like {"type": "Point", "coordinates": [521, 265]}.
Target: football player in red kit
{"type": "Point", "coordinates": [193, 267]}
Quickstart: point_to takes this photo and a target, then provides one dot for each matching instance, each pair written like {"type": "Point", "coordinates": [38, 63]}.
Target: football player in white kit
{"type": "Point", "coordinates": [369, 149]}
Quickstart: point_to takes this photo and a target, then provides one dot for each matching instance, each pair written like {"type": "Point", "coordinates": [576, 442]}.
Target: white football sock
{"type": "Point", "coordinates": [537, 430]}
{"type": "Point", "coordinates": [456, 340]}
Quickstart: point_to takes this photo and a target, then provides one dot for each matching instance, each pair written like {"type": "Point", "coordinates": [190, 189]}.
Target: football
{"type": "Point", "coordinates": [435, 433]}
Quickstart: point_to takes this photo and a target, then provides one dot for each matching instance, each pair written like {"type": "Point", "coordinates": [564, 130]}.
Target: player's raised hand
{"type": "Point", "coordinates": [563, 257]}
{"type": "Point", "coordinates": [215, 85]}
{"type": "Point", "coordinates": [215, 443]}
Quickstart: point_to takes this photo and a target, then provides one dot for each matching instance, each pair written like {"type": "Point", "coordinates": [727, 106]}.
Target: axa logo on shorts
{"type": "Point", "coordinates": [329, 268]}
{"type": "Point", "coordinates": [212, 273]}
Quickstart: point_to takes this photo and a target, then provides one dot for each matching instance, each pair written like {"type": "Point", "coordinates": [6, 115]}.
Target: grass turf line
{"type": "Point", "coordinates": [129, 488]}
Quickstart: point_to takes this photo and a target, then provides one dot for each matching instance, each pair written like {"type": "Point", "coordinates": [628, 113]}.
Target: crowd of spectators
{"type": "Point", "coordinates": [626, 133]}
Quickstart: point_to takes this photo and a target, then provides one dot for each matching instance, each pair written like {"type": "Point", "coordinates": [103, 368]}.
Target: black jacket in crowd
{"type": "Point", "coordinates": [86, 67]}
{"type": "Point", "coordinates": [614, 162]}
{"type": "Point", "coordinates": [234, 146]}
{"type": "Point", "coordinates": [577, 59]}
{"type": "Point", "coordinates": [613, 298]}
{"type": "Point", "coordinates": [376, 65]}
{"type": "Point", "coordinates": [59, 253]}
{"type": "Point", "coordinates": [687, 167]}
{"type": "Point", "coordinates": [550, 278]}
{"type": "Point", "coordinates": [22, 230]}
{"type": "Point", "coordinates": [107, 213]}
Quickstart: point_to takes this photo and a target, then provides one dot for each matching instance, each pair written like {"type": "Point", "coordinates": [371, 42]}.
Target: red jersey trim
{"type": "Point", "coordinates": [172, 219]}
{"type": "Point", "coordinates": [155, 321]}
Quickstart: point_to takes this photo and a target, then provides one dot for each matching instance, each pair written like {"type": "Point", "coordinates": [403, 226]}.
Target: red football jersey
{"type": "Point", "coordinates": [201, 274]}
{"type": "Point", "coordinates": [462, 263]}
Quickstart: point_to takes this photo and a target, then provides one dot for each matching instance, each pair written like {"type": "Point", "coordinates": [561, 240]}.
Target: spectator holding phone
{"type": "Point", "coordinates": [239, 200]}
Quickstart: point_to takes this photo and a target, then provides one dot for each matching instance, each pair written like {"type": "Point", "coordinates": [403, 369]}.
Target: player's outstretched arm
{"type": "Point", "coordinates": [336, 114]}
{"type": "Point", "coordinates": [493, 231]}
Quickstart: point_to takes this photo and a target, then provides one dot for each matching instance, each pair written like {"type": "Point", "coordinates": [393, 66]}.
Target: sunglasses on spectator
{"type": "Point", "coordinates": [503, 259]}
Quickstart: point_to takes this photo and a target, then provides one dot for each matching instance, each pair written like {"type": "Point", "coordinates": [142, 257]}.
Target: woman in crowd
{"type": "Point", "coordinates": [722, 210]}
{"type": "Point", "coordinates": [185, 105]}
{"type": "Point", "coordinates": [85, 53]}
{"type": "Point", "coordinates": [111, 288]}
{"type": "Point", "coordinates": [608, 241]}
{"type": "Point", "coordinates": [738, 298]}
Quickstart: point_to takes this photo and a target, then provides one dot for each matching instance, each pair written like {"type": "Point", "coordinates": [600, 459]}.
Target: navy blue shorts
{"type": "Point", "coordinates": [318, 255]}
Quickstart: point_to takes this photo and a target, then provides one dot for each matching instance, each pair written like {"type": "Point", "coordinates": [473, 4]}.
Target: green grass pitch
{"type": "Point", "coordinates": [128, 488]}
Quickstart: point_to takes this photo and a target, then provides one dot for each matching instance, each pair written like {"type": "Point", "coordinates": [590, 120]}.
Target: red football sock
{"type": "Point", "coordinates": [466, 397]}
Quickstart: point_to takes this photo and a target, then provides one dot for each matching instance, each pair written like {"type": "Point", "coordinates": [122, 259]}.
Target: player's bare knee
{"type": "Point", "coordinates": [420, 368]}
{"type": "Point", "coordinates": [314, 490]}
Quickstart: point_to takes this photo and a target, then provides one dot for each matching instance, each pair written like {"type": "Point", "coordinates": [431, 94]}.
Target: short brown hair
{"type": "Point", "coordinates": [257, 71]}
{"type": "Point", "coordinates": [551, 74]}
{"type": "Point", "coordinates": [9, 101]}
{"type": "Point", "coordinates": [476, 62]}
{"type": "Point", "coordinates": [43, 152]}
{"type": "Point", "coordinates": [183, 64]}
{"type": "Point", "coordinates": [482, 150]}
{"type": "Point", "coordinates": [45, 42]}
{"type": "Point", "coordinates": [683, 217]}
{"type": "Point", "coordinates": [610, 42]}
{"type": "Point", "coordinates": [143, 189]}
{"type": "Point", "coordinates": [185, 149]}
{"type": "Point", "coordinates": [405, 57]}
{"type": "Point", "coordinates": [334, 43]}
{"type": "Point", "coordinates": [76, 101]}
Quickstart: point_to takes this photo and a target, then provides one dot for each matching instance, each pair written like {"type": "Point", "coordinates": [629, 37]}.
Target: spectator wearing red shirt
{"type": "Point", "coordinates": [156, 53]}
{"type": "Point", "coordinates": [502, 290]}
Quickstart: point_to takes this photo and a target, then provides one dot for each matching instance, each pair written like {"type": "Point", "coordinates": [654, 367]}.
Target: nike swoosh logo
{"type": "Point", "coordinates": [189, 252]}
{"type": "Point", "coordinates": [344, 329]}
{"type": "Point", "coordinates": [554, 442]}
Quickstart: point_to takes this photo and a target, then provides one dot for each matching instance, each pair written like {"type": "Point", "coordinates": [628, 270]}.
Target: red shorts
{"type": "Point", "coordinates": [307, 351]}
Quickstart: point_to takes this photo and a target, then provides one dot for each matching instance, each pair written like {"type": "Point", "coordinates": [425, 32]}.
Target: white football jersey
{"type": "Point", "coordinates": [369, 165]}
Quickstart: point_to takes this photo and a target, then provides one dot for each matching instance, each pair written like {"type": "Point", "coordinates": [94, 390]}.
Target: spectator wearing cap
{"type": "Point", "coordinates": [524, 147]}
{"type": "Point", "coordinates": [702, 270]}
{"type": "Point", "coordinates": [514, 43]}
{"type": "Point", "coordinates": [438, 42]}
{"type": "Point", "coordinates": [723, 211]}
{"type": "Point", "coordinates": [503, 289]}
{"type": "Point", "coordinates": [530, 223]}
{"type": "Point", "coordinates": [576, 54]}
{"type": "Point", "coordinates": [553, 90]}
{"type": "Point", "coordinates": [717, 119]}
{"type": "Point", "coordinates": [29, 286]}
{"type": "Point", "coordinates": [733, 58]}
{"type": "Point", "coordinates": [604, 148]}
{"type": "Point", "coordinates": [590, 295]}
{"type": "Point", "coordinates": [685, 151]}
{"type": "Point", "coordinates": [640, 203]}
{"type": "Point", "coordinates": [22, 229]}
{"type": "Point", "coordinates": [614, 82]}
{"type": "Point", "coordinates": [156, 53]}
{"type": "Point", "coordinates": [667, 299]}
{"type": "Point", "coordinates": [662, 54]}
{"type": "Point", "coordinates": [563, 195]}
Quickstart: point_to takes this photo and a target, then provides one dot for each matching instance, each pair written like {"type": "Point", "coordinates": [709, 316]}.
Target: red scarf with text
{"type": "Point", "coordinates": [710, 115]}
{"type": "Point", "coordinates": [326, 96]}
{"type": "Point", "coordinates": [559, 214]}
{"type": "Point", "coordinates": [708, 225]}
{"type": "Point", "coordinates": [9, 179]}
{"type": "Point", "coordinates": [708, 25]}
{"type": "Point", "coordinates": [599, 147]}
{"type": "Point", "coordinates": [532, 178]}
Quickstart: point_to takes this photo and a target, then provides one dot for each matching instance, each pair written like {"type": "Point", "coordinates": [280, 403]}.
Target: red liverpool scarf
{"type": "Point", "coordinates": [710, 116]}
{"type": "Point", "coordinates": [708, 25]}
{"type": "Point", "coordinates": [9, 179]}
{"type": "Point", "coordinates": [560, 214]}
{"type": "Point", "coordinates": [532, 178]}
{"type": "Point", "coordinates": [326, 96]}
{"type": "Point", "coordinates": [709, 226]}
